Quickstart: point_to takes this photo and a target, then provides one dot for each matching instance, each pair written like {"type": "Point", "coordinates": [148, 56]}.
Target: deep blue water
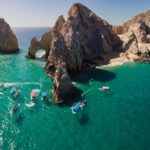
{"type": "Point", "coordinates": [114, 120]}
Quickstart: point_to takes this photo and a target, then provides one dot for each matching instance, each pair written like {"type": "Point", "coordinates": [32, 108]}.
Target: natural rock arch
{"type": "Point", "coordinates": [43, 44]}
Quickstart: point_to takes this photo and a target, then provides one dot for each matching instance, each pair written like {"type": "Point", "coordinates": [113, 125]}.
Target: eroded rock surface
{"type": "Point", "coordinates": [135, 34]}
{"type": "Point", "coordinates": [8, 41]}
{"type": "Point", "coordinates": [84, 37]}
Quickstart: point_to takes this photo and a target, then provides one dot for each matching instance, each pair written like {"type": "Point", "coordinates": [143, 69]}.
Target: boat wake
{"type": "Point", "coordinates": [21, 83]}
{"type": "Point", "coordinates": [30, 104]}
{"type": "Point", "coordinates": [86, 92]}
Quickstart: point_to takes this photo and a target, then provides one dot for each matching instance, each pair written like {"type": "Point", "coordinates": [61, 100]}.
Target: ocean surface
{"type": "Point", "coordinates": [115, 120]}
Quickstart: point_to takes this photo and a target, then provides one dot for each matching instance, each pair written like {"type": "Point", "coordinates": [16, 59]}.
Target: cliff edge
{"type": "Point", "coordinates": [8, 40]}
{"type": "Point", "coordinates": [83, 38]}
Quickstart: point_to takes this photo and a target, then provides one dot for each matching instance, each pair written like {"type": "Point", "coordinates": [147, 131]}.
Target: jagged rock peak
{"type": "Point", "coordinates": [143, 17]}
{"type": "Point", "coordinates": [78, 10]}
{"type": "Point", "coordinates": [8, 40]}
{"type": "Point", "coordinates": [59, 23]}
{"type": "Point", "coordinates": [79, 39]}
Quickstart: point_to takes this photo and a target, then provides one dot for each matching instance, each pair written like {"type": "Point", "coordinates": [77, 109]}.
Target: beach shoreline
{"type": "Point", "coordinates": [121, 59]}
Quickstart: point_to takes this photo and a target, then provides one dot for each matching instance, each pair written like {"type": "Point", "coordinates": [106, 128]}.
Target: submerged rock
{"type": "Point", "coordinates": [8, 41]}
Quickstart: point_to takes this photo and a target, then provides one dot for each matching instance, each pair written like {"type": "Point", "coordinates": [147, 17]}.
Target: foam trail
{"type": "Point", "coordinates": [86, 92]}
{"type": "Point", "coordinates": [37, 91]}
{"type": "Point", "coordinates": [30, 105]}
{"type": "Point", "coordinates": [21, 83]}
{"type": "Point", "coordinates": [74, 83]}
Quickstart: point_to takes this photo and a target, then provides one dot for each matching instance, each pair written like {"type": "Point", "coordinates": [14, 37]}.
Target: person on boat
{"type": "Point", "coordinates": [17, 93]}
{"type": "Point", "coordinates": [13, 90]}
{"type": "Point", "coordinates": [44, 95]}
{"type": "Point", "coordinates": [33, 95]}
{"type": "Point", "coordinates": [1, 87]}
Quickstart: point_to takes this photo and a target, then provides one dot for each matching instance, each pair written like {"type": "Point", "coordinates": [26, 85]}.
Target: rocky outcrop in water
{"type": "Point", "coordinates": [8, 41]}
{"type": "Point", "coordinates": [84, 37]}
{"type": "Point", "coordinates": [135, 34]}
{"type": "Point", "coordinates": [44, 43]}
{"type": "Point", "coordinates": [81, 38]}
{"type": "Point", "coordinates": [62, 83]}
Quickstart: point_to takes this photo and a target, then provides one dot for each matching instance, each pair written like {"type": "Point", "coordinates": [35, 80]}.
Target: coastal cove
{"type": "Point", "coordinates": [117, 119]}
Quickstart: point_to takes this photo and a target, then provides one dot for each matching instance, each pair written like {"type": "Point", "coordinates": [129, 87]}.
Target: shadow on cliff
{"type": "Point", "coordinates": [94, 75]}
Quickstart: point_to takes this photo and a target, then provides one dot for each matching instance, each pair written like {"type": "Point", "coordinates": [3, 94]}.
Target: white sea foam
{"type": "Point", "coordinates": [86, 92]}
{"type": "Point", "coordinates": [30, 105]}
{"type": "Point", "coordinates": [74, 83]}
{"type": "Point", "coordinates": [1, 137]}
{"type": "Point", "coordinates": [9, 84]}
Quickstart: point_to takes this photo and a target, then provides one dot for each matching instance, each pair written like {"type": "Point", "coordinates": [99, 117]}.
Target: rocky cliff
{"type": "Point", "coordinates": [8, 41]}
{"type": "Point", "coordinates": [84, 37]}
{"type": "Point", "coordinates": [135, 34]}
{"type": "Point", "coordinates": [81, 38]}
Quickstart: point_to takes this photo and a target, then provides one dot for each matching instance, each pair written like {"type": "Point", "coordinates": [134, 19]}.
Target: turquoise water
{"type": "Point", "coordinates": [114, 120]}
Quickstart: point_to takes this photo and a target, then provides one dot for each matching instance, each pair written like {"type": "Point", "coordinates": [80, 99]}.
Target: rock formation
{"type": "Point", "coordinates": [8, 41]}
{"type": "Point", "coordinates": [84, 37]}
{"type": "Point", "coordinates": [135, 34]}
{"type": "Point", "coordinates": [80, 38]}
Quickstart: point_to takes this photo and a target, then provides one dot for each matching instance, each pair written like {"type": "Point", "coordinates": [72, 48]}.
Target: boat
{"type": "Point", "coordinates": [44, 95]}
{"type": "Point", "coordinates": [146, 60]}
{"type": "Point", "coordinates": [13, 90]}
{"type": "Point", "coordinates": [1, 87]}
{"type": "Point", "coordinates": [33, 95]}
{"type": "Point", "coordinates": [104, 88]}
{"type": "Point", "coordinates": [17, 93]}
{"type": "Point", "coordinates": [15, 108]}
{"type": "Point", "coordinates": [77, 106]}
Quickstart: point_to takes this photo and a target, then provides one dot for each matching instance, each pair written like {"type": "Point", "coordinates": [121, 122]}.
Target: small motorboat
{"type": "Point", "coordinates": [1, 87]}
{"type": "Point", "coordinates": [15, 108]}
{"type": "Point", "coordinates": [33, 95]}
{"type": "Point", "coordinates": [17, 93]}
{"type": "Point", "coordinates": [77, 106]}
{"type": "Point", "coordinates": [44, 95]}
{"type": "Point", "coordinates": [13, 90]}
{"type": "Point", "coordinates": [104, 88]}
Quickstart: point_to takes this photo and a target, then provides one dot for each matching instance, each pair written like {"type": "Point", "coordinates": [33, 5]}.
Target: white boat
{"type": "Point", "coordinates": [104, 88]}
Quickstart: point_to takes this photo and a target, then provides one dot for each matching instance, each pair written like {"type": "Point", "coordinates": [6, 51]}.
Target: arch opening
{"type": "Point", "coordinates": [40, 54]}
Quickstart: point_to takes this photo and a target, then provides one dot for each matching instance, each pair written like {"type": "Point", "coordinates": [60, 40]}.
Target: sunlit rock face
{"type": "Point", "coordinates": [82, 37]}
{"type": "Point", "coordinates": [135, 34]}
{"type": "Point", "coordinates": [8, 40]}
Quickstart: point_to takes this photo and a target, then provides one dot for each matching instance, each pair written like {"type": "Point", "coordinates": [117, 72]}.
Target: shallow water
{"type": "Point", "coordinates": [115, 120]}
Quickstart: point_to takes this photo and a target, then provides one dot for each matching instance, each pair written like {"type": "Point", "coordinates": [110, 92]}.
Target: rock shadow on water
{"type": "Point", "coordinates": [94, 74]}
{"type": "Point", "coordinates": [72, 98]}
{"type": "Point", "coordinates": [19, 119]}
{"type": "Point", "coordinates": [83, 119]}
